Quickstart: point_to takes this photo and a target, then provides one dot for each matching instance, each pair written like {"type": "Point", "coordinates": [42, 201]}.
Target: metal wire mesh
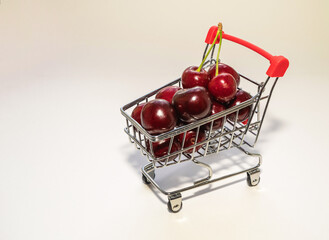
{"type": "Point", "coordinates": [232, 134]}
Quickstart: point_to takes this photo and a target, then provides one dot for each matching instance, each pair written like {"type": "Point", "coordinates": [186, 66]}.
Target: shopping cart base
{"type": "Point", "coordinates": [175, 197]}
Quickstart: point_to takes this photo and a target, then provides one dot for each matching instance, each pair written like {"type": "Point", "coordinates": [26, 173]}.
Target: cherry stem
{"type": "Point", "coordinates": [219, 47]}
{"type": "Point", "coordinates": [205, 57]}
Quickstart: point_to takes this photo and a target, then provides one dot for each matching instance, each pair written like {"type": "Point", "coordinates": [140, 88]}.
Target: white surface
{"type": "Point", "coordinates": [67, 170]}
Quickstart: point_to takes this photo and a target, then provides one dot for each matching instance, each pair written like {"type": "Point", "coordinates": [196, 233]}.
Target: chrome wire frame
{"type": "Point", "coordinates": [214, 141]}
{"type": "Point", "coordinates": [147, 169]}
{"type": "Point", "coordinates": [231, 135]}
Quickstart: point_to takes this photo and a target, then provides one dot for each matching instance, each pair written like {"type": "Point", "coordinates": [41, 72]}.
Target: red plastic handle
{"type": "Point", "coordinates": [278, 64]}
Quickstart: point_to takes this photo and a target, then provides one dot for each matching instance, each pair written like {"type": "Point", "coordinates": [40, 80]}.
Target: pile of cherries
{"type": "Point", "coordinates": [204, 93]}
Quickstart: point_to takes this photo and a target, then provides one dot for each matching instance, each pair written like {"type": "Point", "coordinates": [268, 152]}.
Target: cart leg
{"type": "Point", "coordinates": [149, 169]}
{"type": "Point", "coordinates": [253, 177]}
{"type": "Point", "coordinates": [210, 172]}
{"type": "Point", "coordinates": [175, 202]}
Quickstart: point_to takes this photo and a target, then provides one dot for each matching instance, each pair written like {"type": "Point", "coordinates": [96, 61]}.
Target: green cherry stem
{"type": "Point", "coordinates": [212, 45]}
{"type": "Point", "coordinates": [219, 47]}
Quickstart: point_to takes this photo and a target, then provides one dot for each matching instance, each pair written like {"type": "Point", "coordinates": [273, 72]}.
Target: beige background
{"type": "Point", "coordinates": [66, 168]}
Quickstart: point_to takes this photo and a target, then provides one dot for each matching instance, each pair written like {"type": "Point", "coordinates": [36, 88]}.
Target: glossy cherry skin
{"type": "Point", "coordinates": [167, 93]}
{"type": "Point", "coordinates": [243, 115]}
{"type": "Point", "coordinates": [216, 108]}
{"type": "Point", "coordinates": [158, 116]}
{"type": "Point", "coordinates": [192, 78]}
{"type": "Point", "coordinates": [192, 104]}
{"type": "Point", "coordinates": [223, 87]}
{"type": "Point", "coordinates": [223, 68]}
{"type": "Point", "coordinates": [190, 139]}
{"type": "Point", "coordinates": [136, 113]}
{"type": "Point", "coordinates": [161, 148]}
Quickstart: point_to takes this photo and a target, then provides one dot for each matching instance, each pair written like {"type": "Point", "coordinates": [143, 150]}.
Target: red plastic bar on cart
{"type": "Point", "coordinates": [278, 64]}
{"type": "Point", "coordinates": [211, 35]}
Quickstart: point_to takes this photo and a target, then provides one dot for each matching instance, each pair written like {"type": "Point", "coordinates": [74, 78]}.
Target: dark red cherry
{"type": "Point", "coordinates": [243, 115]}
{"type": "Point", "coordinates": [158, 116]}
{"type": "Point", "coordinates": [167, 93]}
{"type": "Point", "coordinates": [192, 78]}
{"type": "Point", "coordinates": [223, 68]}
{"type": "Point", "coordinates": [216, 108]}
{"type": "Point", "coordinates": [190, 139]}
{"type": "Point", "coordinates": [192, 104]}
{"type": "Point", "coordinates": [136, 113]}
{"type": "Point", "coordinates": [161, 148]}
{"type": "Point", "coordinates": [223, 87]}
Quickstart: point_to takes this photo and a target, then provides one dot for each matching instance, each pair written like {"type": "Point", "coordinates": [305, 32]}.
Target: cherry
{"type": "Point", "coordinates": [161, 148]}
{"type": "Point", "coordinates": [223, 87]}
{"type": "Point", "coordinates": [243, 115]}
{"type": "Point", "coordinates": [216, 108]}
{"type": "Point", "coordinates": [192, 104]}
{"type": "Point", "coordinates": [197, 76]}
{"type": "Point", "coordinates": [191, 77]}
{"type": "Point", "coordinates": [223, 68]}
{"type": "Point", "coordinates": [136, 113]}
{"type": "Point", "coordinates": [167, 93]}
{"type": "Point", "coordinates": [158, 116]}
{"type": "Point", "coordinates": [190, 139]}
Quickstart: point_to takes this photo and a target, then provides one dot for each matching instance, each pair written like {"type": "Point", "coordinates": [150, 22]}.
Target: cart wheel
{"type": "Point", "coordinates": [175, 202]}
{"type": "Point", "coordinates": [144, 178]}
{"type": "Point", "coordinates": [253, 178]}
{"type": "Point", "coordinates": [250, 184]}
{"type": "Point", "coordinates": [176, 210]}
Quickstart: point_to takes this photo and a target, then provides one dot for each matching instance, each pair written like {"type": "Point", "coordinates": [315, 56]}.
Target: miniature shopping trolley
{"type": "Point", "coordinates": [233, 134]}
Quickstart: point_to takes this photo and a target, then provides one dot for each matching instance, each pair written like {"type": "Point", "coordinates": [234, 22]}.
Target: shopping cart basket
{"type": "Point", "coordinates": [233, 134]}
